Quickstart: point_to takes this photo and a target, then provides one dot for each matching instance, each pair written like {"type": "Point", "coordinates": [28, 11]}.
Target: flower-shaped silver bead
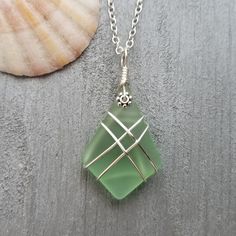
{"type": "Point", "coordinates": [124, 99]}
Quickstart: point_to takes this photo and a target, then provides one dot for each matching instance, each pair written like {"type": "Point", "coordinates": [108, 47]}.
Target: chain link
{"type": "Point", "coordinates": [115, 38]}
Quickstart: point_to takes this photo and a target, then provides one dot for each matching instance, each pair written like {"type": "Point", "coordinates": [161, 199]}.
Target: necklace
{"type": "Point", "coordinates": [122, 154]}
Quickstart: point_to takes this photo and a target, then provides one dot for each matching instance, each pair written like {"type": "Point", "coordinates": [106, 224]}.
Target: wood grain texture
{"type": "Point", "coordinates": [183, 73]}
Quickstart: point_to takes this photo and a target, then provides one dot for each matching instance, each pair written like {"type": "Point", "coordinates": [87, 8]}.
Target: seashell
{"type": "Point", "coordinates": [41, 36]}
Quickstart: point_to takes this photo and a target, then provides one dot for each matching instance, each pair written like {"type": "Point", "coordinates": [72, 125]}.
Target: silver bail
{"type": "Point", "coordinates": [123, 98]}
{"type": "Point", "coordinates": [123, 62]}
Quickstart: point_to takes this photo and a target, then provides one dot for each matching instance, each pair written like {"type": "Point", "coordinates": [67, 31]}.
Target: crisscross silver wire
{"type": "Point", "coordinates": [132, 136]}
{"type": "Point", "coordinates": [125, 152]}
{"type": "Point", "coordinates": [113, 145]}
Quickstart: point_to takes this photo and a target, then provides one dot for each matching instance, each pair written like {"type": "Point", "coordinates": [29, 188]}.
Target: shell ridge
{"type": "Point", "coordinates": [87, 7]}
{"type": "Point", "coordinates": [22, 57]}
{"type": "Point", "coordinates": [41, 36]}
{"type": "Point", "coordinates": [51, 44]}
{"type": "Point", "coordinates": [49, 14]}
{"type": "Point", "coordinates": [31, 25]}
{"type": "Point", "coordinates": [51, 26]}
{"type": "Point", "coordinates": [69, 11]}
{"type": "Point", "coordinates": [35, 60]}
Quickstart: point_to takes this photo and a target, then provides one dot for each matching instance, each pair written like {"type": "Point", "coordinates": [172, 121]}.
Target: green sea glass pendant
{"type": "Point", "coordinates": [122, 154]}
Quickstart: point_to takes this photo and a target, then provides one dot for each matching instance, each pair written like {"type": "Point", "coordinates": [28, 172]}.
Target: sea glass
{"type": "Point", "coordinates": [122, 154]}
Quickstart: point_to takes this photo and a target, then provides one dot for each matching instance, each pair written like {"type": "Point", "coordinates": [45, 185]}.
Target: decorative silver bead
{"type": "Point", "coordinates": [124, 99]}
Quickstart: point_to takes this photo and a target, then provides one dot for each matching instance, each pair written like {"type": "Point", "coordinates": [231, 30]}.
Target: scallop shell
{"type": "Point", "coordinates": [41, 36]}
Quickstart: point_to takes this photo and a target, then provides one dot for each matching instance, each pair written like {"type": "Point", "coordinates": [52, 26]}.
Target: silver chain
{"type": "Point", "coordinates": [115, 38]}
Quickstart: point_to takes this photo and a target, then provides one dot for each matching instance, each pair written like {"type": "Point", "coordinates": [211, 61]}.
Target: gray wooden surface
{"type": "Point", "coordinates": [183, 73]}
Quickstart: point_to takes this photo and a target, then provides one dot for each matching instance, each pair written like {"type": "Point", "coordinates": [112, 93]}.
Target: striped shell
{"type": "Point", "coordinates": [41, 36]}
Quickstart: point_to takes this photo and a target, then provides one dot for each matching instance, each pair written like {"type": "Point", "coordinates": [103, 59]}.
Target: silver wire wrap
{"type": "Point", "coordinates": [123, 62]}
{"type": "Point", "coordinates": [124, 77]}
